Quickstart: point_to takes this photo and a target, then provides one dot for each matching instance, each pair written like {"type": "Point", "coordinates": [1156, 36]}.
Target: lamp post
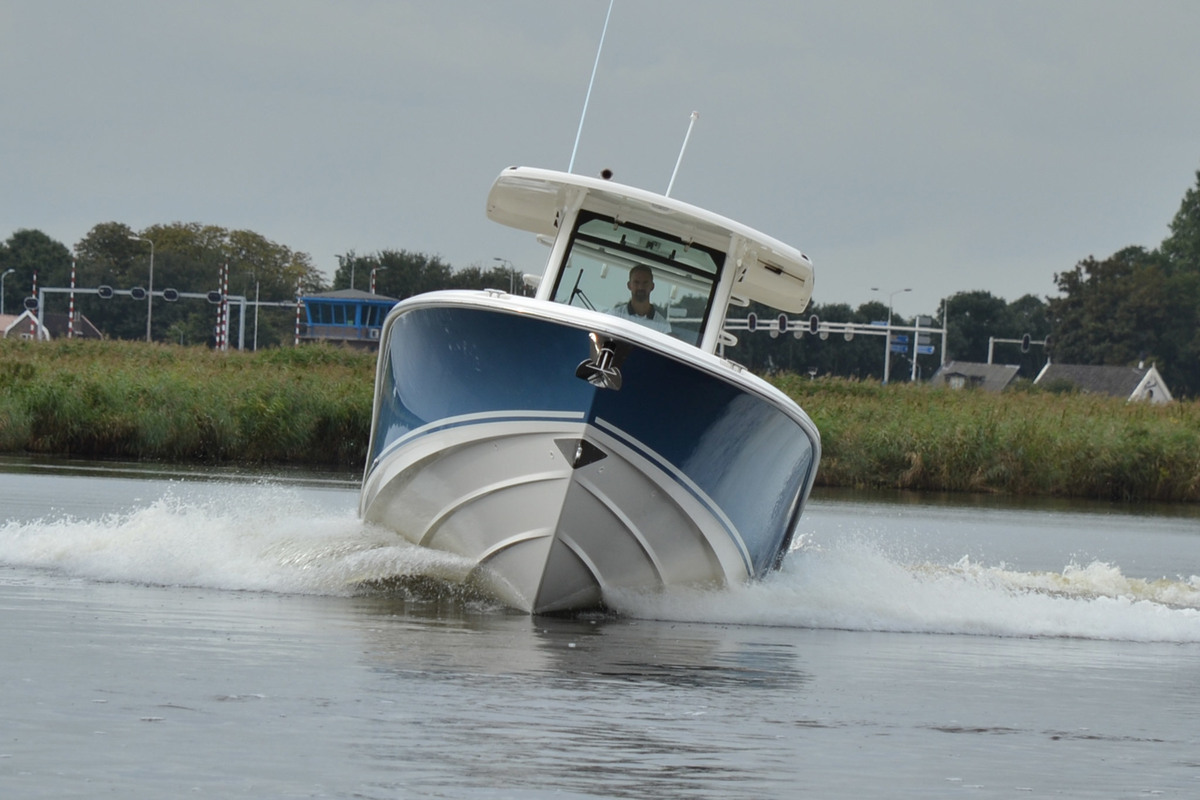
{"type": "Point", "coordinates": [887, 348]}
{"type": "Point", "coordinates": [512, 271]}
{"type": "Point", "coordinates": [7, 272]}
{"type": "Point", "coordinates": [150, 292]}
{"type": "Point", "coordinates": [256, 284]}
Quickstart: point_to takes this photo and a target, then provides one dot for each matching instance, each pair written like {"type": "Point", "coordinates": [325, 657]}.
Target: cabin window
{"type": "Point", "coordinates": [606, 270]}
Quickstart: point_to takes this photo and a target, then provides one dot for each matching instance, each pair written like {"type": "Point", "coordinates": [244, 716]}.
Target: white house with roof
{"type": "Point", "coordinates": [52, 326]}
{"type": "Point", "coordinates": [1140, 383]}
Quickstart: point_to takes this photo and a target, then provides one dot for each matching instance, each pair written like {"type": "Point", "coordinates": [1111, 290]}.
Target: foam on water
{"type": "Point", "coordinates": [270, 538]}
{"type": "Point", "coordinates": [854, 585]}
{"type": "Point", "coordinates": [261, 538]}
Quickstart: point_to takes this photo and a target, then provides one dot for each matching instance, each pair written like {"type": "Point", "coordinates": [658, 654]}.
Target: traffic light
{"type": "Point", "coordinates": [814, 324]}
{"type": "Point", "coordinates": [1025, 343]}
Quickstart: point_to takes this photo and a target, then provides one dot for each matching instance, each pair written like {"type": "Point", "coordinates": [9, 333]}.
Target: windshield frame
{"type": "Point", "coordinates": [626, 244]}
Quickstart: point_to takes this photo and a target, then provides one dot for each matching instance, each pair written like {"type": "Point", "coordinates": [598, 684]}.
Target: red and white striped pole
{"type": "Point", "coordinates": [71, 305]}
{"type": "Point", "coordinates": [225, 309]}
{"type": "Point", "coordinates": [217, 333]}
{"type": "Point", "coordinates": [36, 314]}
{"type": "Point", "coordinates": [299, 302]}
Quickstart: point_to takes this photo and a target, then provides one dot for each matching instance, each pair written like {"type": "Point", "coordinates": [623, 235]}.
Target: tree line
{"type": "Point", "coordinates": [1135, 306]}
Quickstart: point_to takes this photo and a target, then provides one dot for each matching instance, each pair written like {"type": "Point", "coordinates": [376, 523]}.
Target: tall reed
{"type": "Point", "coordinates": [312, 405]}
{"type": "Point", "coordinates": [909, 436]}
{"type": "Point", "coordinates": [133, 400]}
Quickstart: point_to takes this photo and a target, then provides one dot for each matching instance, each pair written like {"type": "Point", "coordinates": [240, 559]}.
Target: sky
{"type": "Point", "coordinates": [933, 145]}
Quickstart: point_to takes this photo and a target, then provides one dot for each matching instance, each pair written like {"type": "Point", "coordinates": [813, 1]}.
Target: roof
{"type": "Point", "coordinates": [53, 325]}
{"type": "Point", "coordinates": [352, 294]}
{"type": "Point", "coordinates": [1130, 383]}
{"type": "Point", "coordinates": [769, 271]}
{"type": "Point", "coordinates": [989, 377]}
{"type": "Point", "coordinates": [57, 324]}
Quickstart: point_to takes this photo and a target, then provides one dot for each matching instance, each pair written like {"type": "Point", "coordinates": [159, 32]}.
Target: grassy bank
{"type": "Point", "coordinates": [908, 436]}
{"type": "Point", "coordinates": [311, 406]}
{"type": "Point", "coordinates": [130, 400]}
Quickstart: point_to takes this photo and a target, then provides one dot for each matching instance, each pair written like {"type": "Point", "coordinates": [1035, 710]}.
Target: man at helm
{"type": "Point", "coordinates": [639, 308]}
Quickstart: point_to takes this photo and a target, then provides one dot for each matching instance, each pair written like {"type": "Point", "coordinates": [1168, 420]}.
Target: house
{"type": "Point", "coordinates": [345, 316]}
{"type": "Point", "coordinates": [973, 375]}
{"type": "Point", "coordinates": [1132, 383]}
{"type": "Point", "coordinates": [23, 326]}
{"type": "Point", "coordinates": [53, 326]}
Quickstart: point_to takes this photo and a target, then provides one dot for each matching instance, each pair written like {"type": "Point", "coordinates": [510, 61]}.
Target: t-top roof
{"type": "Point", "coordinates": [535, 200]}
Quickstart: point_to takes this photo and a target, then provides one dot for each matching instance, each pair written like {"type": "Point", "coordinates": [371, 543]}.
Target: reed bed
{"type": "Point", "coordinates": [128, 400]}
{"type": "Point", "coordinates": [1030, 442]}
{"type": "Point", "coordinates": [312, 405]}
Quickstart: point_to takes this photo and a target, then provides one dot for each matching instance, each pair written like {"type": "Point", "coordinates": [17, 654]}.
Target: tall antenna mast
{"type": "Point", "coordinates": [588, 97]}
{"type": "Point", "coordinates": [679, 161]}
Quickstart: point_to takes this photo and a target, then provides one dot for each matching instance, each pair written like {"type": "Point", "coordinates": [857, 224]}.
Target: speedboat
{"type": "Point", "coordinates": [593, 440]}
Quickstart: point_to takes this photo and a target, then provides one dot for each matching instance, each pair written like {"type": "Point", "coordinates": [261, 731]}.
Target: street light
{"type": "Point", "coordinates": [512, 271]}
{"type": "Point", "coordinates": [256, 283]}
{"type": "Point", "coordinates": [342, 261]}
{"type": "Point", "coordinates": [7, 272]}
{"type": "Point", "coordinates": [150, 293]}
{"type": "Point", "coordinates": [887, 348]}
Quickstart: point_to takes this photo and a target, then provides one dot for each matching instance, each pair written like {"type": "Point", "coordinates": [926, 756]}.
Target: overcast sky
{"type": "Point", "coordinates": [941, 146]}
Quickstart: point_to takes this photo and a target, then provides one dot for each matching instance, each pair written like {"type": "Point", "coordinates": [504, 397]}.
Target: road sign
{"type": "Point", "coordinates": [899, 348]}
{"type": "Point", "coordinates": [925, 349]}
{"type": "Point", "coordinates": [899, 338]}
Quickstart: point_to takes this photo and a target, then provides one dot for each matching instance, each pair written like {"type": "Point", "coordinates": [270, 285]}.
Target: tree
{"type": "Point", "coordinates": [399, 273]}
{"type": "Point", "coordinates": [29, 251]}
{"type": "Point", "coordinates": [1182, 247]}
{"type": "Point", "coordinates": [976, 317]}
{"type": "Point", "coordinates": [1133, 307]}
{"type": "Point", "coordinates": [475, 277]}
{"type": "Point", "coordinates": [190, 258]}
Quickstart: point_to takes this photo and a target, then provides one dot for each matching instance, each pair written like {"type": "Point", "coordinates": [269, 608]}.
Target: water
{"type": "Point", "coordinates": [179, 633]}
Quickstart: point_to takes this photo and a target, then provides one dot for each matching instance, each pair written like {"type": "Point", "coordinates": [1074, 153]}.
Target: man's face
{"type": "Point", "coordinates": [641, 283]}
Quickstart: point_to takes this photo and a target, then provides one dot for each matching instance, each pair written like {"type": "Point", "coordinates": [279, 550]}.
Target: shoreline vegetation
{"type": "Point", "coordinates": [311, 406]}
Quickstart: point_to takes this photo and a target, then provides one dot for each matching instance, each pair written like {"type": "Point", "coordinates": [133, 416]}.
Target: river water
{"type": "Point", "coordinates": [170, 633]}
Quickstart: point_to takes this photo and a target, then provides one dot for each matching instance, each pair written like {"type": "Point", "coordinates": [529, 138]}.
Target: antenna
{"type": "Point", "coordinates": [679, 161]}
{"type": "Point", "coordinates": [588, 96]}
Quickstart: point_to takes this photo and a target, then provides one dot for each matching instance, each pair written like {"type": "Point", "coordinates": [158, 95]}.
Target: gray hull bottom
{"type": "Point", "coordinates": [557, 516]}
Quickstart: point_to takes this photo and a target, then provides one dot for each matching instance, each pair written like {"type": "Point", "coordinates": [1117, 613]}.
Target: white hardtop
{"type": "Point", "coordinates": [757, 268]}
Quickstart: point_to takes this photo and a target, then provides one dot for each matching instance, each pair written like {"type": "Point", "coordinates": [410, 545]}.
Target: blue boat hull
{"type": "Point", "coordinates": [490, 441]}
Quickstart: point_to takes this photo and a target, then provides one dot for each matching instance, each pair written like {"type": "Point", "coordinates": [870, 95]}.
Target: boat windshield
{"type": "Point", "coordinates": [645, 275]}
